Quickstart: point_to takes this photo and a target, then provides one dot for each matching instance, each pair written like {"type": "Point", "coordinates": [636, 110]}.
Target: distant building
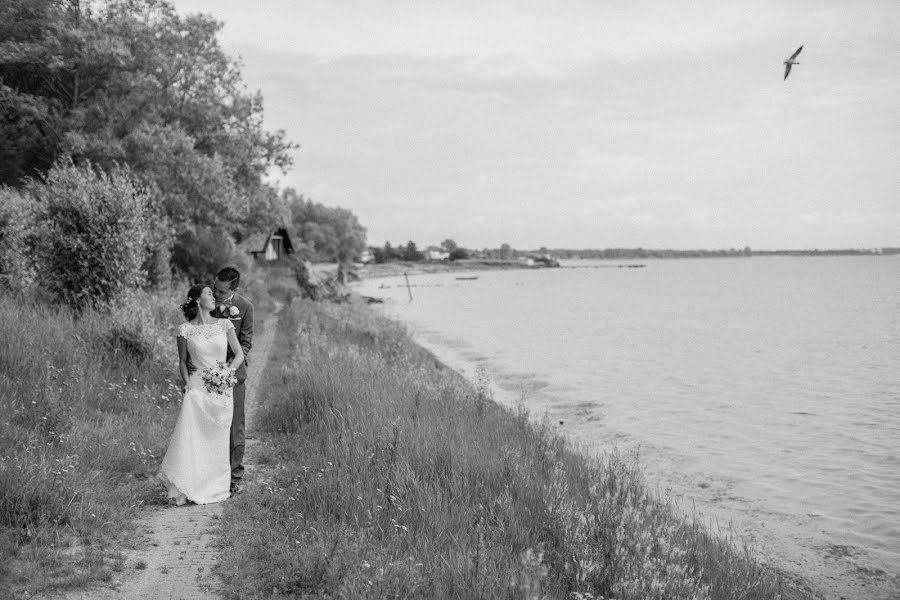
{"type": "Point", "coordinates": [270, 247]}
{"type": "Point", "coordinates": [540, 260]}
{"type": "Point", "coordinates": [435, 253]}
{"type": "Point", "coordinates": [366, 256]}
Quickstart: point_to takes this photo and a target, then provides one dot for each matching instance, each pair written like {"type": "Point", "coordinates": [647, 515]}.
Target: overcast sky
{"type": "Point", "coordinates": [586, 124]}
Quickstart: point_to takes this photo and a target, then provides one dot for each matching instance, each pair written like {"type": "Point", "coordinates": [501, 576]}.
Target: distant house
{"type": "Point", "coordinates": [366, 256]}
{"type": "Point", "coordinates": [435, 253]}
{"type": "Point", "coordinates": [270, 247]}
{"type": "Point", "coordinates": [542, 260]}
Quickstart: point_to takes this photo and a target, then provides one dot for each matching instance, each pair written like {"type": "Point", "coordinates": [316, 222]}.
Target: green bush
{"type": "Point", "coordinates": [16, 266]}
{"type": "Point", "coordinates": [91, 232]}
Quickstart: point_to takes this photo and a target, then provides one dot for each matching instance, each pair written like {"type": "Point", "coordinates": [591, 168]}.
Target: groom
{"type": "Point", "coordinates": [233, 306]}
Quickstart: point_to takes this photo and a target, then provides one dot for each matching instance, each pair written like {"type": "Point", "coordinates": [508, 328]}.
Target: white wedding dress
{"type": "Point", "coordinates": [196, 466]}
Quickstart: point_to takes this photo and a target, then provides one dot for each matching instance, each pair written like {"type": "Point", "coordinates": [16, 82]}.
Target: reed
{"type": "Point", "coordinates": [394, 477]}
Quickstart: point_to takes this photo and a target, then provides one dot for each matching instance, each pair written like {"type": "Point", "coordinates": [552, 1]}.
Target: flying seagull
{"type": "Point", "coordinates": [790, 61]}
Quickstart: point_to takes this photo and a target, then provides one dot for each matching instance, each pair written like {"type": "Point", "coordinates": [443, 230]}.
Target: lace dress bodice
{"type": "Point", "coordinates": [206, 344]}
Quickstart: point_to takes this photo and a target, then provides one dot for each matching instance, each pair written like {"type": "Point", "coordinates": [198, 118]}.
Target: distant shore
{"type": "Point", "coordinates": [394, 269]}
{"type": "Point", "coordinates": [397, 268]}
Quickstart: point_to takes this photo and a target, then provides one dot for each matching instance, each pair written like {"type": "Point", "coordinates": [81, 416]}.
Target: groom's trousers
{"type": "Point", "coordinates": [236, 451]}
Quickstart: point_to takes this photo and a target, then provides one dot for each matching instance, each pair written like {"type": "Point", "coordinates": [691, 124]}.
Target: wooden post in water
{"type": "Point", "coordinates": [409, 291]}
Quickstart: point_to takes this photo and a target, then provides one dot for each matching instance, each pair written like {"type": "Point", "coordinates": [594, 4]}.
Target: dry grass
{"type": "Point", "coordinates": [396, 478]}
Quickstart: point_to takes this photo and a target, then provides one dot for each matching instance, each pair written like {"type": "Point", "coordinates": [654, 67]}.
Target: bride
{"type": "Point", "coordinates": [196, 466]}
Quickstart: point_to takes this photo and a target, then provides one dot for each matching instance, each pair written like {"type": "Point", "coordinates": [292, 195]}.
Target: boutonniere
{"type": "Point", "coordinates": [226, 309]}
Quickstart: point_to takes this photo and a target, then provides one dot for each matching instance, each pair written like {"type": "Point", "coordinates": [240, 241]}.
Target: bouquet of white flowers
{"type": "Point", "coordinates": [218, 380]}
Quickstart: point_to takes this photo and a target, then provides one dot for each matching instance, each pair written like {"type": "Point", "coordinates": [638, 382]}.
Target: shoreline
{"type": "Point", "coordinates": [398, 268]}
{"type": "Point", "coordinates": [848, 581]}
{"type": "Point", "coordinates": [365, 271]}
{"type": "Point", "coordinates": [831, 570]}
{"type": "Point", "coordinates": [480, 448]}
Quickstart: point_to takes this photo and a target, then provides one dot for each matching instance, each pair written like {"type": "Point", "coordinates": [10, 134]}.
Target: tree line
{"type": "Point", "coordinates": [132, 150]}
{"type": "Point", "coordinates": [448, 249]}
{"type": "Point", "coordinates": [451, 251]}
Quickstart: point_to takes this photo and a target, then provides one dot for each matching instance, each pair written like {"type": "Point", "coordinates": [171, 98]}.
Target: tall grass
{"type": "Point", "coordinates": [86, 406]}
{"type": "Point", "coordinates": [396, 478]}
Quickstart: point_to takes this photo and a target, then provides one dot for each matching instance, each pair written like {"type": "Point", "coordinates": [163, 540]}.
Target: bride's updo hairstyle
{"type": "Point", "coordinates": [191, 307]}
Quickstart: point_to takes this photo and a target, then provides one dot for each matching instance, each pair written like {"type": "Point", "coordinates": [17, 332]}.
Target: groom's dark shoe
{"type": "Point", "coordinates": [236, 488]}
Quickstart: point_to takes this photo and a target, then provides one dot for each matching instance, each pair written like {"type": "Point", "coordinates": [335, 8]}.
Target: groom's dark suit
{"type": "Point", "coordinates": [243, 328]}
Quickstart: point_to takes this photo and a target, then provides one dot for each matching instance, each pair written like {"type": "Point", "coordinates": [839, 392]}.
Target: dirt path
{"type": "Point", "coordinates": [179, 556]}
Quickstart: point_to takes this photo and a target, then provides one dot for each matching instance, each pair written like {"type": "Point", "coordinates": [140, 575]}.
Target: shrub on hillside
{"type": "Point", "coordinates": [90, 235]}
{"type": "Point", "coordinates": [16, 266]}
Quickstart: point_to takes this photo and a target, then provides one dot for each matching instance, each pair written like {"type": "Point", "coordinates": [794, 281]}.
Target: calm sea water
{"type": "Point", "coordinates": [762, 392]}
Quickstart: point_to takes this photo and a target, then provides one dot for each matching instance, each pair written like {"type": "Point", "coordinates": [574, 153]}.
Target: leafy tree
{"type": "Point", "coordinates": [459, 254]}
{"type": "Point", "coordinates": [267, 211]}
{"type": "Point", "coordinates": [334, 234]}
{"type": "Point", "coordinates": [133, 82]}
{"type": "Point", "coordinates": [202, 251]}
{"type": "Point", "coordinates": [449, 245]}
{"type": "Point", "coordinates": [412, 253]}
{"type": "Point", "coordinates": [506, 251]}
{"type": "Point", "coordinates": [386, 253]}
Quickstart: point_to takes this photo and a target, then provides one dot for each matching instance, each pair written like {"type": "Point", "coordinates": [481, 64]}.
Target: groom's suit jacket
{"type": "Point", "coordinates": [243, 328]}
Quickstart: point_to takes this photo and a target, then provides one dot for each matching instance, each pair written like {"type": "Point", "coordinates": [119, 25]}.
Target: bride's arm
{"type": "Point", "coordinates": [182, 359]}
{"type": "Point", "coordinates": [235, 348]}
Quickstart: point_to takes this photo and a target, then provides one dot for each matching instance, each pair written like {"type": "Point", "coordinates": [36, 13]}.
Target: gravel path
{"type": "Point", "coordinates": [179, 556]}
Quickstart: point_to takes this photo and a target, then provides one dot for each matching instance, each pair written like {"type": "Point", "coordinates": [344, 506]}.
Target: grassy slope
{"type": "Point", "coordinates": [86, 409]}
{"type": "Point", "coordinates": [84, 421]}
{"type": "Point", "coordinates": [394, 477]}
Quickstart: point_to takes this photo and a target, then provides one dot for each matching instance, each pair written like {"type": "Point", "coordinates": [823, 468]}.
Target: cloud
{"type": "Point", "coordinates": [585, 123]}
{"type": "Point", "coordinates": [539, 34]}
